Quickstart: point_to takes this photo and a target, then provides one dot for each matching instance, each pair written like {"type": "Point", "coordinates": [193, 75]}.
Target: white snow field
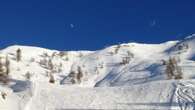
{"type": "Point", "coordinates": [131, 76]}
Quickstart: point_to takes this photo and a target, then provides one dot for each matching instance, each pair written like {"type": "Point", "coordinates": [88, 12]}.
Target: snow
{"type": "Point", "coordinates": [58, 97]}
{"type": "Point", "coordinates": [125, 76]}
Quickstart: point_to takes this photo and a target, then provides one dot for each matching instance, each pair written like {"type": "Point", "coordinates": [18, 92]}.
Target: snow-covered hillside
{"type": "Point", "coordinates": [125, 76]}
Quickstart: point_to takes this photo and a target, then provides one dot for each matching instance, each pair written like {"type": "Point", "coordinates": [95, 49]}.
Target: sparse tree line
{"type": "Point", "coordinates": [173, 70]}
{"type": "Point", "coordinates": [5, 66]}
{"type": "Point", "coordinates": [4, 69]}
{"type": "Point", "coordinates": [64, 55]}
{"type": "Point", "coordinates": [78, 72]}
{"type": "Point", "coordinates": [182, 46]}
{"type": "Point", "coordinates": [46, 63]}
{"type": "Point", "coordinates": [50, 66]}
{"type": "Point", "coordinates": [76, 75]}
{"type": "Point", "coordinates": [126, 58]}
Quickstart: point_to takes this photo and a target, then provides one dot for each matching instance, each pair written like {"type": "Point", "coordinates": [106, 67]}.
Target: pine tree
{"type": "Point", "coordinates": [50, 65]}
{"type": "Point", "coordinates": [1, 67]}
{"type": "Point", "coordinates": [3, 94]}
{"type": "Point", "coordinates": [51, 79]}
{"type": "Point", "coordinates": [125, 60]}
{"type": "Point", "coordinates": [3, 75]}
{"type": "Point", "coordinates": [173, 70]}
{"type": "Point", "coordinates": [7, 65]}
{"type": "Point", "coordinates": [79, 74]}
{"type": "Point", "coordinates": [28, 75]}
{"type": "Point", "coordinates": [18, 55]}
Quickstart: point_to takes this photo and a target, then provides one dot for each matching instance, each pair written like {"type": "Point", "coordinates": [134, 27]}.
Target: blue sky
{"type": "Point", "coordinates": [93, 24]}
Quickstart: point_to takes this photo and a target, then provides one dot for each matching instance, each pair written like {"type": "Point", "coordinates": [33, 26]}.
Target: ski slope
{"type": "Point", "coordinates": [124, 76]}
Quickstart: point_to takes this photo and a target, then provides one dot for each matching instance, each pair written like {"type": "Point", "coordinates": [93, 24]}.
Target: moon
{"type": "Point", "coordinates": [71, 25]}
{"type": "Point", "coordinates": [153, 23]}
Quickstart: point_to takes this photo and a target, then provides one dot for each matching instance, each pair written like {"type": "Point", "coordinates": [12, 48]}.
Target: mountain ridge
{"type": "Point", "coordinates": [34, 71]}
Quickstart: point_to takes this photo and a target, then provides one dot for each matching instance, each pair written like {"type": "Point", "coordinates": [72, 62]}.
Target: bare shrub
{"type": "Point", "coordinates": [47, 64]}
{"type": "Point", "coordinates": [101, 65]}
{"type": "Point", "coordinates": [67, 59]}
{"type": "Point", "coordinates": [59, 70]}
{"type": "Point", "coordinates": [73, 81]}
{"type": "Point", "coordinates": [28, 75]}
{"type": "Point", "coordinates": [125, 60]}
{"type": "Point", "coordinates": [61, 54]}
{"type": "Point", "coordinates": [130, 54]}
{"type": "Point", "coordinates": [183, 46]}
{"type": "Point", "coordinates": [111, 53]}
{"type": "Point", "coordinates": [72, 76]}
{"type": "Point", "coordinates": [117, 49]}
{"type": "Point", "coordinates": [80, 55]}
{"type": "Point", "coordinates": [32, 60]}
{"type": "Point", "coordinates": [3, 95]}
{"type": "Point", "coordinates": [76, 76]}
{"type": "Point", "coordinates": [163, 62]}
{"type": "Point", "coordinates": [54, 54]}
{"type": "Point", "coordinates": [96, 70]}
{"type": "Point", "coordinates": [43, 62]}
{"type": "Point", "coordinates": [4, 79]}
{"type": "Point", "coordinates": [45, 54]}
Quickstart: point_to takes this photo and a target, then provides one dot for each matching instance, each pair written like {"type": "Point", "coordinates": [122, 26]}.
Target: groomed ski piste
{"type": "Point", "coordinates": [131, 76]}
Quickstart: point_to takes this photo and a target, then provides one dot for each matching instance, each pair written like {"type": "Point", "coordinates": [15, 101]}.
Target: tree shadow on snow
{"type": "Point", "coordinates": [113, 78]}
{"type": "Point", "coordinates": [19, 85]}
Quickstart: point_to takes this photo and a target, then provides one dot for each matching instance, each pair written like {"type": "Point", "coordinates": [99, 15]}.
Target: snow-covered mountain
{"type": "Point", "coordinates": [125, 76]}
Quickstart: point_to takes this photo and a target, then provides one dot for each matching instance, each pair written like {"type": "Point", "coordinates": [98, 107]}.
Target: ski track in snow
{"type": "Point", "coordinates": [33, 91]}
{"type": "Point", "coordinates": [185, 96]}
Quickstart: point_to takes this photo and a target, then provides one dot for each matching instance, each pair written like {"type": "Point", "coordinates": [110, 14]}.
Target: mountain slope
{"type": "Point", "coordinates": [64, 79]}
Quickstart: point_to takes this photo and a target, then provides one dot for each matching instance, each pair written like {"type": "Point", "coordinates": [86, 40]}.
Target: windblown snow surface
{"type": "Point", "coordinates": [106, 81]}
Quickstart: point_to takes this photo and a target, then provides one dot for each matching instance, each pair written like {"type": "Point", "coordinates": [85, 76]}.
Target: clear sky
{"type": "Point", "coordinates": [93, 24]}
